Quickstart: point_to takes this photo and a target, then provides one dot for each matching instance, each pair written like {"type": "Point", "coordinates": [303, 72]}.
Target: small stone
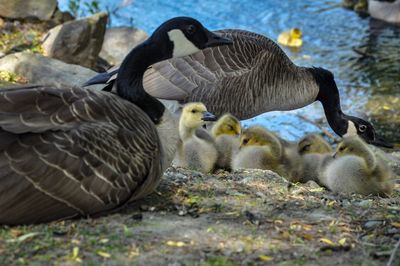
{"type": "Point", "coordinates": [372, 224]}
{"type": "Point", "coordinates": [137, 216]}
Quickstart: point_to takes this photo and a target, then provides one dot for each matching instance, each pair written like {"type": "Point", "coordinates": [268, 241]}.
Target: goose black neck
{"type": "Point", "coordinates": [329, 97]}
{"type": "Point", "coordinates": [130, 79]}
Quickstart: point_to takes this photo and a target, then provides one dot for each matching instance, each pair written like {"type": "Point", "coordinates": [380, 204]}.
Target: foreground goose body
{"type": "Point", "coordinates": [196, 150]}
{"type": "Point", "coordinates": [262, 149]}
{"type": "Point", "coordinates": [72, 152]}
{"type": "Point", "coordinates": [248, 78]}
{"type": "Point", "coordinates": [226, 133]}
{"type": "Point", "coordinates": [356, 169]}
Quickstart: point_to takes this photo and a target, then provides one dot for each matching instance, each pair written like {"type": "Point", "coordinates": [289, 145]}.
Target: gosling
{"type": "Point", "coordinates": [226, 135]}
{"type": "Point", "coordinates": [196, 149]}
{"type": "Point", "coordinates": [262, 149]}
{"type": "Point", "coordinates": [357, 169]}
{"type": "Point", "coordinates": [315, 153]}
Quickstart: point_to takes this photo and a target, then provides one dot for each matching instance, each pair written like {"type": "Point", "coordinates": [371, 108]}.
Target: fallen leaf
{"type": "Point", "coordinates": [104, 240]}
{"type": "Point", "coordinates": [75, 252]}
{"type": "Point", "coordinates": [175, 243]}
{"type": "Point", "coordinates": [327, 241]}
{"type": "Point", "coordinates": [342, 241]}
{"type": "Point", "coordinates": [265, 258]}
{"type": "Point", "coordinates": [24, 237]}
{"type": "Point", "coordinates": [104, 254]}
{"type": "Point", "coordinates": [395, 224]}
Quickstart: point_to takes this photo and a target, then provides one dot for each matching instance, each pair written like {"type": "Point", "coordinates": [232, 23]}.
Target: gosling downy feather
{"type": "Point", "coordinates": [315, 154]}
{"type": "Point", "coordinates": [291, 38]}
{"type": "Point", "coordinates": [196, 150]}
{"type": "Point", "coordinates": [68, 152]}
{"type": "Point", "coordinates": [248, 78]}
{"type": "Point", "coordinates": [226, 133]}
{"type": "Point", "coordinates": [356, 169]}
{"type": "Point", "coordinates": [262, 149]}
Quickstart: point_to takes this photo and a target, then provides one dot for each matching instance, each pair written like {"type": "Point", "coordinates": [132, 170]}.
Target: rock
{"type": "Point", "coordinates": [383, 10]}
{"type": "Point", "coordinates": [39, 69]}
{"type": "Point", "coordinates": [41, 9]}
{"type": "Point", "coordinates": [77, 42]}
{"type": "Point", "coordinates": [119, 41]}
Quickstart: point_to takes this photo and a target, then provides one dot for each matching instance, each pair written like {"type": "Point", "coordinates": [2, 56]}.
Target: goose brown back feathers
{"type": "Point", "coordinates": [99, 159]}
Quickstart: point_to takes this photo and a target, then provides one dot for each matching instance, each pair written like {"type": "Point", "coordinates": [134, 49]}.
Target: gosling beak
{"type": "Point", "coordinates": [334, 155]}
{"type": "Point", "coordinates": [380, 143]}
{"type": "Point", "coordinates": [207, 116]}
{"type": "Point", "coordinates": [216, 40]}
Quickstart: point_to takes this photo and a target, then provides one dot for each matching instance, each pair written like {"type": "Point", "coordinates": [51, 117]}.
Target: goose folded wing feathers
{"type": "Point", "coordinates": [59, 150]}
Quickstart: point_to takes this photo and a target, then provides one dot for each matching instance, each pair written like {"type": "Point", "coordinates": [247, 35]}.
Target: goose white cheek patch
{"type": "Point", "coordinates": [182, 46]}
{"type": "Point", "coordinates": [351, 130]}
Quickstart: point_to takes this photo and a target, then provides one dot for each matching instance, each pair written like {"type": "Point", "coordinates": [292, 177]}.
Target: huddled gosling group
{"type": "Point", "coordinates": [352, 168]}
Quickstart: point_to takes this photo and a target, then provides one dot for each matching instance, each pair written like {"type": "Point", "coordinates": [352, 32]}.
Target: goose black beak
{"type": "Point", "coordinates": [380, 143]}
{"type": "Point", "coordinates": [216, 40]}
{"type": "Point", "coordinates": [207, 116]}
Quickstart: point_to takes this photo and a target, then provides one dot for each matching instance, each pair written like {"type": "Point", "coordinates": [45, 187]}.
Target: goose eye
{"type": "Point", "coordinates": [362, 128]}
{"type": "Point", "coordinates": [191, 29]}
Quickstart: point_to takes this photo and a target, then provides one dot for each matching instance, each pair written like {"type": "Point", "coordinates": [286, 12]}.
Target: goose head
{"type": "Point", "coordinates": [226, 125]}
{"type": "Point", "coordinates": [343, 125]}
{"type": "Point", "coordinates": [183, 36]}
{"type": "Point", "coordinates": [313, 143]}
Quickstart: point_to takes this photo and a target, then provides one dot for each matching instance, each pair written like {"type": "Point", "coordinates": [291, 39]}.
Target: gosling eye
{"type": "Point", "coordinates": [342, 148]}
{"type": "Point", "coordinates": [194, 111]}
{"type": "Point", "coordinates": [245, 141]}
{"type": "Point", "coordinates": [191, 29]}
{"type": "Point", "coordinates": [306, 147]}
{"type": "Point", "coordinates": [362, 128]}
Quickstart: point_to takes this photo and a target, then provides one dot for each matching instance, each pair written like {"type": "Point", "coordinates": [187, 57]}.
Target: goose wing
{"type": "Point", "coordinates": [178, 78]}
{"type": "Point", "coordinates": [70, 152]}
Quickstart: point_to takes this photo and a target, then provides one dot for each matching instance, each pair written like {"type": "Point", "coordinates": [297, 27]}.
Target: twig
{"type": "Point", "coordinates": [393, 255]}
{"type": "Point", "coordinates": [324, 131]}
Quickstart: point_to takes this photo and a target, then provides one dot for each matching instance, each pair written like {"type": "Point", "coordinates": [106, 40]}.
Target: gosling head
{"type": "Point", "coordinates": [194, 115]}
{"type": "Point", "coordinates": [351, 146]}
{"type": "Point", "coordinates": [227, 125]}
{"type": "Point", "coordinates": [343, 125]}
{"type": "Point", "coordinates": [313, 143]}
{"type": "Point", "coordinates": [295, 33]}
{"type": "Point", "coordinates": [255, 136]}
{"type": "Point", "coordinates": [182, 36]}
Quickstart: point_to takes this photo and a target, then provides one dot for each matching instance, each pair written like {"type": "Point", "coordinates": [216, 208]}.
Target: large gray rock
{"type": "Point", "coordinates": [39, 69]}
{"type": "Point", "coordinates": [77, 42]}
{"type": "Point", "coordinates": [41, 9]}
{"type": "Point", "coordinates": [119, 41]}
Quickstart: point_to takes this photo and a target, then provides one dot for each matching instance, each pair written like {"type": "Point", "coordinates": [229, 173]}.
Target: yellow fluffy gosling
{"type": "Point", "coordinates": [197, 148]}
{"type": "Point", "coordinates": [226, 135]}
{"type": "Point", "coordinates": [357, 169]}
{"type": "Point", "coordinates": [262, 149]}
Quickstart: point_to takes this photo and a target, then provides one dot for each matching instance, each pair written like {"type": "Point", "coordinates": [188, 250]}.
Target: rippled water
{"type": "Point", "coordinates": [332, 35]}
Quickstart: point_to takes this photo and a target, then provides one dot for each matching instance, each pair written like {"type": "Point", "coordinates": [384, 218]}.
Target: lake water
{"type": "Point", "coordinates": [332, 35]}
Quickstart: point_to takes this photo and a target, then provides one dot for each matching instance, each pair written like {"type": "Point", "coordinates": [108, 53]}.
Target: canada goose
{"type": "Point", "coordinates": [356, 169]}
{"type": "Point", "coordinates": [315, 154]}
{"type": "Point", "coordinates": [68, 152]}
{"type": "Point", "coordinates": [388, 11]}
{"type": "Point", "coordinates": [196, 149]}
{"type": "Point", "coordinates": [262, 149]}
{"type": "Point", "coordinates": [248, 78]}
{"type": "Point", "coordinates": [291, 38]}
{"type": "Point", "coordinates": [226, 133]}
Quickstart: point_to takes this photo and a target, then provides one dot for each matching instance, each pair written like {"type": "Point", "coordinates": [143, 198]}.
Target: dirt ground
{"type": "Point", "coordinates": [242, 218]}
